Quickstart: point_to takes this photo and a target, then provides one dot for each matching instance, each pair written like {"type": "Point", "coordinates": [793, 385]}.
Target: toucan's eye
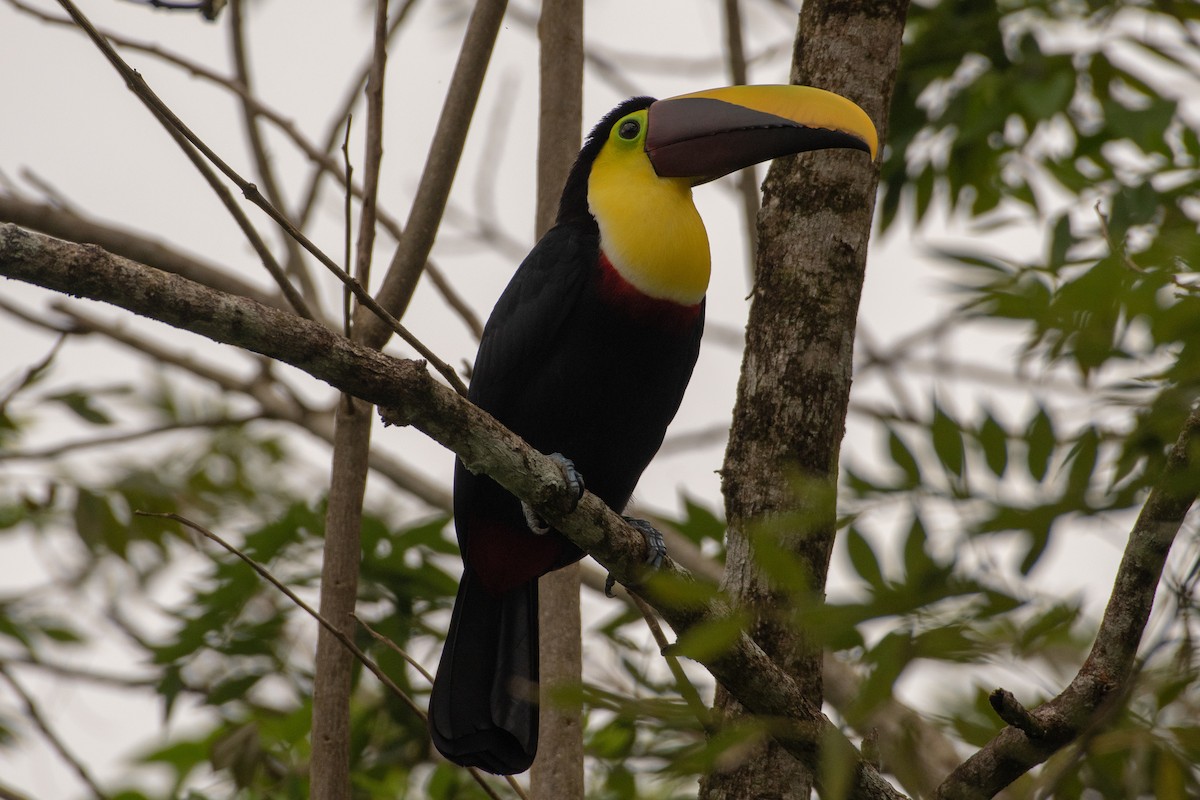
{"type": "Point", "coordinates": [629, 129]}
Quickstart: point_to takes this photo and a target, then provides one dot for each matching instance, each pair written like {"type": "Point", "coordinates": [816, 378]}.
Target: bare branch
{"type": "Point", "coordinates": [35, 716]}
{"type": "Point", "coordinates": [258, 147]}
{"type": "Point", "coordinates": [373, 148]}
{"type": "Point", "coordinates": [440, 166]}
{"type": "Point", "coordinates": [10, 794]}
{"type": "Point", "coordinates": [557, 770]}
{"type": "Point", "coordinates": [122, 438]}
{"type": "Point", "coordinates": [1111, 664]}
{"type": "Point", "coordinates": [416, 399]}
{"type": "Point", "coordinates": [177, 128]}
{"type": "Point", "coordinates": [320, 155]}
{"type": "Point", "coordinates": [684, 686]}
{"type": "Point", "coordinates": [1009, 708]}
{"type": "Point", "coordinates": [746, 179]}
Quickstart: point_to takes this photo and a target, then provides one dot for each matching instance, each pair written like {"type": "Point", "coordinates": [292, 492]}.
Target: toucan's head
{"type": "Point", "coordinates": [635, 172]}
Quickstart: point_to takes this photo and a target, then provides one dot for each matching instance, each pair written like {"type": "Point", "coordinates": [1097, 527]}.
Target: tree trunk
{"type": "Point", "coordinates": [558, 770]}
{"type": "Point", "coordinates": [329, 774]}
{"type": "Point", "coordinates": [780, 471]}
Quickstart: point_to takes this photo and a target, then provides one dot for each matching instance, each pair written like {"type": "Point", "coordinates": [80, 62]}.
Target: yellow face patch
{"type": "Point", "coordinates": [649, 227]}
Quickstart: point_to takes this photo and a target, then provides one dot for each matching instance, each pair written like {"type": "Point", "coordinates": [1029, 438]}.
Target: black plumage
{"type": "Point", "coordinates": [576, 361]}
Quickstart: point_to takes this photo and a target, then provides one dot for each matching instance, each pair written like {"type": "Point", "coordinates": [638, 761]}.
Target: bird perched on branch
{"type": "Point", "coordinates": [587, 354]}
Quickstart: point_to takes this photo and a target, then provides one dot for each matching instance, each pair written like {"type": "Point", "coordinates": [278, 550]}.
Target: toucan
{"type": "Point", "coordinates": [587, 354]}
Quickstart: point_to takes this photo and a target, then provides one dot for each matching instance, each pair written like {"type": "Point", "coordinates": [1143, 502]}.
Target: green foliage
{"type": "Point", "coordinates": [1034, 114]}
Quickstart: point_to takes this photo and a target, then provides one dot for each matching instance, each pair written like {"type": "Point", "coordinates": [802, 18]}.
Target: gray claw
{"type": "Point", "coordinates": [571, 475]}
{"type": "Point", "coordinates": [574, 482]}
{"type": "Point", "coordinates": [655, 545]}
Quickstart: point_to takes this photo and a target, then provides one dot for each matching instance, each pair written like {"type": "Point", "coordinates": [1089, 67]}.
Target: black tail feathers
{"type": "Point", "coordinates": [483, 708]}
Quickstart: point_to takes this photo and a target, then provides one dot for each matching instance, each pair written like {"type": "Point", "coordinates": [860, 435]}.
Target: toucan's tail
{"type": "Point", "coordinates": [483, 708]}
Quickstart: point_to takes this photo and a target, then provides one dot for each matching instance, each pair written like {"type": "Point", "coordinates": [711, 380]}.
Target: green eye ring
{"type": "Point", "coordinates": [629, 129]}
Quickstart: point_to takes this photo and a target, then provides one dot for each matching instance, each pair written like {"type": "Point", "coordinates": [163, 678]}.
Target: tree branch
{"type": "Point", "coordinates": [445, 150]}
{"type": "Point", "coordinates": [333, 674]}
{"type": "Point", "coordinates": [1109, 667]}
{"type": "Point", "coordinates": [179, 131]}
{"type": "Point", "coordinates": [484, 445]}
{"type": "Point", "coordinates": [60, 747]}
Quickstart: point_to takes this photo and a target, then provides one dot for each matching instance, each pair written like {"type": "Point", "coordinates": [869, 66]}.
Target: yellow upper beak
{"type": "Point", "coordinates": [703, 135]}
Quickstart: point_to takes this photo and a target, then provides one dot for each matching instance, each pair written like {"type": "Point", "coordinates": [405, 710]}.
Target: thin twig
{"type": "Point", "coordinates": [320, 155]}
{"type": "Point", "coordinates": [266, 575]}
{"type": "Point", "coordinates": [325, 163]}
{"type": "Point", "coordinates": [75, 673]}
{"type": "Point", "coordinates": [40, 722]}
{"type": "Point", "coordinates": [747, 179]}
{"type": "Point", "coordinates": [258, 147]}
{"type": "Point", "coordinates": [379, 637]}
{"type": "Point", "coordinates": [345, 640]}
{"type": "Point", "coordinates": [11, 794]}
{"type": "Point", "coordinates": [171, 121]}
{"type": "Point", "coordinates": [687, 689]}
{"type": "Point", "coordinates": [441, 164]}
{"type": "Point", "coordinates": [69, 225]}
{"type": "Point", "coordinates": [347, 297]}
{"type": "Point", "coordinates": [372, 148]}
{"type": "Point", "coordinates": [123, 438]}
{"type": "Point", "coordinates": [32, 373]}
{"type": "Point", "coordinates": [30, 319]}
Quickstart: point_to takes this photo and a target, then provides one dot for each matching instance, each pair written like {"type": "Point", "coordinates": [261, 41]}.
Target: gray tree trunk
{"type": "Point", "coordinates": [780, 470]}
{"type": "Point", "coordinates": [557, 772]}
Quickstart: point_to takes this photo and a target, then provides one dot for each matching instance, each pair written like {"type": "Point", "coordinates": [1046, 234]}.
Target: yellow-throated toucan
{"type": "Point", "coordinates": [587, 353]}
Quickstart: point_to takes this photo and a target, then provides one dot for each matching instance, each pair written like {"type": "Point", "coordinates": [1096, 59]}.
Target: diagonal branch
{"type": "Point", "coordinates": [1110, 666]}
{"type": "Point", "coordinates": [440, 166]}
{"type": "Point", "coordinates": [254, 135]}
{"type": "Point", "coordinates": [478, 439]}
{"type": "Point", "coordinates": [56, 742]}
{"type": "Point", "coordinates": [176, 127]}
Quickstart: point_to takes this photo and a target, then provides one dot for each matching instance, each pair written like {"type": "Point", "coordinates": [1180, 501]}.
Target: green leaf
{"type": "Point", "coordinates": [614, 740]}
{"type": "Point", "coordinates": [1082, 460]}
{"type": "Point", "coordinates": [917, 561]}
{"type": "Point", "coordinates": [82, 406]}
{"type": "Point", "coordinates": [993, 439]}
{"type": "Point", "coordinates": [904, 459]}
{"type": "Point", "coordinates": [948, 442]}
{"type": "Point", "coordinates": [234, 688]}
{"type": "Point", "coordinates": [97, 524]}
{"type": "Point", "coordinates": [700, 523]}
{"type": "Point", "coordinates": [863, 557]}
{"type": "Point", "coordinates": [1040, 443]}
{"type": "Point", "coordinates": [710, 639]}
{"type": "Point", "coordinates": [1060, 243]}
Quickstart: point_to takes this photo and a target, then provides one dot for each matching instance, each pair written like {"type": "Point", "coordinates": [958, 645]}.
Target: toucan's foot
{"type": "Point", "coordinates": [574, 482]}
{"type": "Point", "coordinates": [656, 549]}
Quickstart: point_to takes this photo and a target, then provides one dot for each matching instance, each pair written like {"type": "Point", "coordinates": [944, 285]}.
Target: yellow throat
{"type": "Point", "coordinates": [649, 227]}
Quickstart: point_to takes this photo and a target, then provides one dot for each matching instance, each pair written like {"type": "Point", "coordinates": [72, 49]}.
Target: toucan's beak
{"type": "Point", "coordinates": [704, 135]}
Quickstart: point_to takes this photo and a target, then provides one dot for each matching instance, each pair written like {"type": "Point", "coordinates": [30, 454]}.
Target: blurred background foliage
{"type": "Point", "coordinates": [1063, 117]}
